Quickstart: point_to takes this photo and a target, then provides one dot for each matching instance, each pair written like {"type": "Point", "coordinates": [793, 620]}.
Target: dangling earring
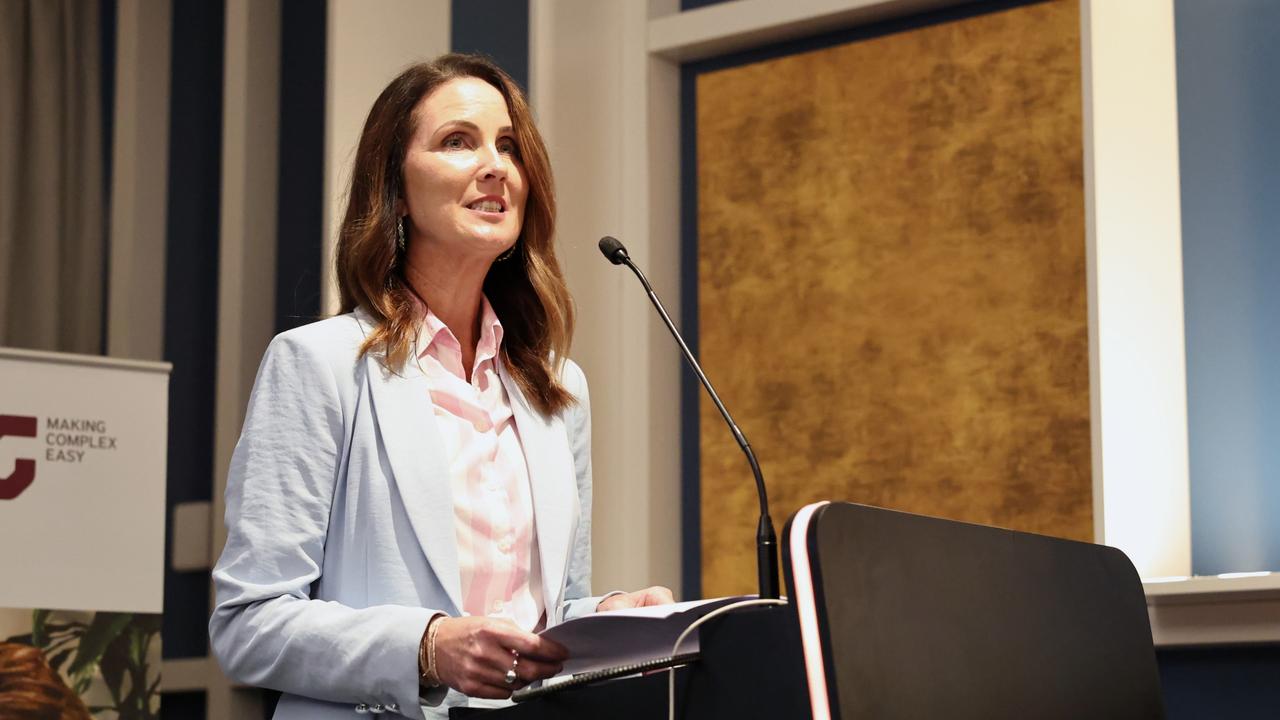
{"type": "Point", "coordinates": [507, 255]}
{"type": "Point", "coordinates": [400, 232]}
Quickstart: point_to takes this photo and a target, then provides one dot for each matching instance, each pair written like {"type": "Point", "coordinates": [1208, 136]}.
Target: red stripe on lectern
{"type": "Point", "coordinates": [807, 609]}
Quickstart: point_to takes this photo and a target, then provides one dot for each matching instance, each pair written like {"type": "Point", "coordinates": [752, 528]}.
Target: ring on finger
{"type": "Point", "coordinates": [510, 677]}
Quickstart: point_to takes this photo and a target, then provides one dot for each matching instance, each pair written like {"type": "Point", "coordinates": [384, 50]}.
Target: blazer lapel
{"type": "Point", "coordinates": [407, 424]}
{"type": "Point", "coordinates": [551, 481]}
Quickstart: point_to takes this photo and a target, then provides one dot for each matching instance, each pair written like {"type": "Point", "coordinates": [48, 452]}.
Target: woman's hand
{"type": "Point", "coordinates": [473, 655]}
{"type": "Point", "coordinates": [656, 595]}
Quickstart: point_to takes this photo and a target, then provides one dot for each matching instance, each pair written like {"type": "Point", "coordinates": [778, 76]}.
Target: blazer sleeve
{"type": "Point", "coordinates": [266, 630]}
{"type": "Point", "coordinates": [578, 598]}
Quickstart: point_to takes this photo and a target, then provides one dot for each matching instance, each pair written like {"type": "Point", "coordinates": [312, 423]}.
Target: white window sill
{"type": "Point", "coordinates": [1214, 610]}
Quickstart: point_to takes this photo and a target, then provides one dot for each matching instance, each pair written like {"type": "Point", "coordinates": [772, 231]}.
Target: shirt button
{"type": "Point", "coordinates": [362, 709]}
{"type": "Point", "coordinates": [497, 607]}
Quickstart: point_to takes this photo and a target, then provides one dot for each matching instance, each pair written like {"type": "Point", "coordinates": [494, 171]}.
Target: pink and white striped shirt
{"type": "Point", "coordinates": [492, 501]}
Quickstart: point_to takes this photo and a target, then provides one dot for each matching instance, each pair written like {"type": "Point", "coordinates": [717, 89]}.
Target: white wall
{"type": "Point", "coordinates": [369, 43]}
{"type": "Point", "coordinates": [1137, 346]}
{"type": "Point", "coordinates": [590, 78]}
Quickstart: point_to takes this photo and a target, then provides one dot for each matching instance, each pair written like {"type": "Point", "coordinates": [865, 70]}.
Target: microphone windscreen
{"type": "Point", "coordinates": [613, 249]}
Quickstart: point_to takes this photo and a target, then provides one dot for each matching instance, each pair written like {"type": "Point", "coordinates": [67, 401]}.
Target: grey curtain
{"type": "Point", "coordinates": [52, 221]}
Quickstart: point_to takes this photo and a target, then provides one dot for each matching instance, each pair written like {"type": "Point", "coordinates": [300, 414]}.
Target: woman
{"type": "Point", "coordinates": [410, 497]}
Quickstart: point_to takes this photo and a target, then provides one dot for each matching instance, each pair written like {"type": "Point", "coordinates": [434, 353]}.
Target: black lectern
{"type": "Point", "coordinates": [895, 615]}
{"type": "Point", "coordinates": [906, 616]}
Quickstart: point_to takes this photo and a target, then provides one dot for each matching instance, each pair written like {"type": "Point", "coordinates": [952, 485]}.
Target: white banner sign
{"type": "Point", "coordinates": [82, 482]}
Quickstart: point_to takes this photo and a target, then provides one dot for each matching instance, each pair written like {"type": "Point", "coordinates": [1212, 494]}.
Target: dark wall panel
{"type": "Point", "coordinates": [301, 182]}
{"type": "Point", "coordinates": [497, 28]}
{"type": "Point", "coordinates": [107, 81]}
{"type": "Point", "coordinates": [183, 706]}
{"type": "Point", "coordinates": [191, 296]}
{"type": "Point", "coordinates": [1230, 682]}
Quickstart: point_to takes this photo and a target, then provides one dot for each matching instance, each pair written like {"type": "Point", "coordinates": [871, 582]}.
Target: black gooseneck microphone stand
{"type": "Point", "coordinates": [766, 538]}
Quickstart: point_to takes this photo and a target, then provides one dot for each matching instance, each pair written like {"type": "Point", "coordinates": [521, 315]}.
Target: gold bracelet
{"type": "Point", "coordinates": [431, 676]}
{"type": "Point", "coordinates": [424, 666]}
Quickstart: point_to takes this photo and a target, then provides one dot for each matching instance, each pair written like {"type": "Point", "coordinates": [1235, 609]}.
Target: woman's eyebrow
{"type": "Point", "coordinates": [470, 126]}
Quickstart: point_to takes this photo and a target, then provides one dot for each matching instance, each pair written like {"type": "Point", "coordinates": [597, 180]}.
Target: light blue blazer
{"type": "Point", "coordinates": [340, 525]}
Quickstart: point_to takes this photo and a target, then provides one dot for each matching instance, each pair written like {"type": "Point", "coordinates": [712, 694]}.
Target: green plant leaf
{"type": "Point", "coordinates": [113, 665]}
{"type": "Point", "coordinates": [106, 627]}
{"type": "Point", "coordinates": [39, 634]}
{"type": "Point", "coordinates": [138, 704]}
{"type": "Point", "coordinates": [58, 659]}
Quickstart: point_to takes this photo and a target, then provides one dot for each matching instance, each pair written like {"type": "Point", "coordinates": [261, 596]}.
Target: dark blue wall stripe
{"type": "Point", "coordinates": [1230, 682]}
{"type": "Point", "coordinates": [300, 228]}
{"type": "Point", "coordinates": [183, 706]}
{"type": "Point", "coordinates": [191, 296]}
{"type": "Point", "coordinates": [107, 92]}
{"type": "Point", "coordinates": [107, 83]}
{"type": "Point", "coordinates": [497, 28]}
{"type": "Point", "coordinates": [690, 388]}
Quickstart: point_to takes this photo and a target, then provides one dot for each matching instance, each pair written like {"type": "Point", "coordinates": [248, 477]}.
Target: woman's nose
{"type": "Point", "coordinates": [493, 163]}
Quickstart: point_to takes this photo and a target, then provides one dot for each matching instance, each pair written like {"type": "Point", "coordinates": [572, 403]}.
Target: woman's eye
{"type": "Point", "coordinates": [507, 146]}
{"type": "Point", "coordinates": [455, 142]}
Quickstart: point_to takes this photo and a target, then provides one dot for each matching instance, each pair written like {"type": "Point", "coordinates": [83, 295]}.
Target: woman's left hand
{"type": "Point", "coordinates": [656, 595]}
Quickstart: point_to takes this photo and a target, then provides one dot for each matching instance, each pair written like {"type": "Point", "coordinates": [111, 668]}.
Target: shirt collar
{"type": "Point", "coordinates": [435, 332]}
{"type": "Point", "coordinates": [490, 332]}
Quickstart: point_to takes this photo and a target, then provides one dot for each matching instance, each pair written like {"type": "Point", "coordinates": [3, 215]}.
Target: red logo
{"type": "Point", "coordinates": [24, 470]}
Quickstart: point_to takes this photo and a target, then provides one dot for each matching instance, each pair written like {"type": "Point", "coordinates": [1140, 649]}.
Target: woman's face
{"type": "Point", "coordinates": [464, 185]}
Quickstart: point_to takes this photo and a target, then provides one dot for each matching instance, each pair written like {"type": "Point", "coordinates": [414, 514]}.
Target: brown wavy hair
{"type": "Point", "coordinates": [528, 291]}
{"type": "Point", "coordinates": [31, 690]}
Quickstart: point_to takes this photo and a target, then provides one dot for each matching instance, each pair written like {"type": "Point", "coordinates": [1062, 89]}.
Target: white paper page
{"type": "Point", "coordinates": [623, 637]}
{"type": "Point", "coordinates": [662, 611]}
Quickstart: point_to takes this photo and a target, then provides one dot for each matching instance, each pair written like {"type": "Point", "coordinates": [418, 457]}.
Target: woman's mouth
{"type": "Point", "coordinates": [486, 206]}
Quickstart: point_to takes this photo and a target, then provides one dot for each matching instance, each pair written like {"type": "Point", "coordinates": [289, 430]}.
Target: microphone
{"type": "Point", "coordinates": [766, 539]}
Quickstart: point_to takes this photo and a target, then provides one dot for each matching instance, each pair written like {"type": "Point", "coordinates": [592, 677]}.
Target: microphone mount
{"type": "Point", "coordinates": [766, 538]}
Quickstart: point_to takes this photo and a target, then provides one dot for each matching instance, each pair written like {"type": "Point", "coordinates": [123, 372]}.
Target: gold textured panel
{"type": "Point", "coordinates": [891, 269]}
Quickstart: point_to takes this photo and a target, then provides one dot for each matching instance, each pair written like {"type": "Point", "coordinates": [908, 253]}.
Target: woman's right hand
{"type": "Point", "coordinates": [473, 655]}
